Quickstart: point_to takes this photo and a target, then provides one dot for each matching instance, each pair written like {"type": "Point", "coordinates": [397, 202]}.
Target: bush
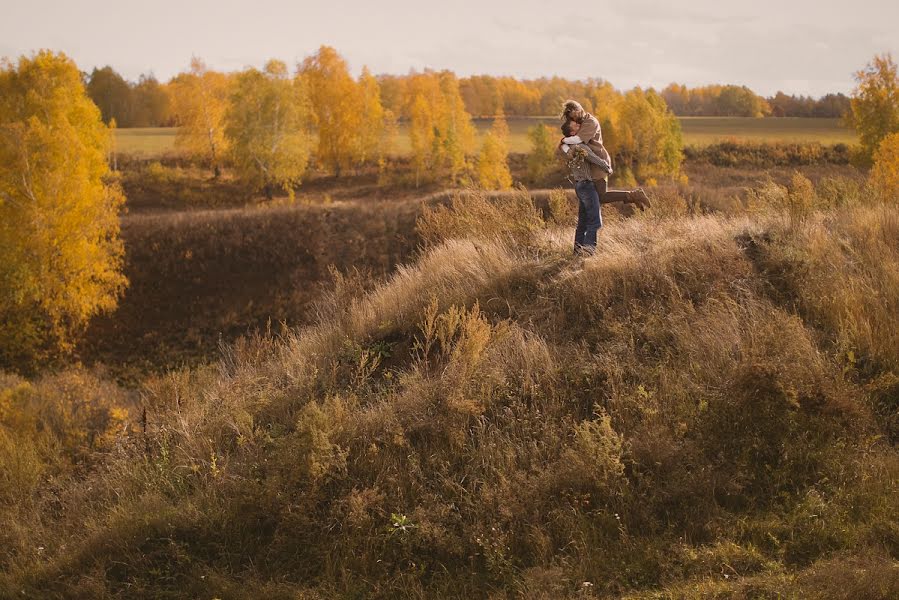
{"type": "Point", "coordinates": [766, 155]}
{"type": "Point", "coordinates": [885, 173]}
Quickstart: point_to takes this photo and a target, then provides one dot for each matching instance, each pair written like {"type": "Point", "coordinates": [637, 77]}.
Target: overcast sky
{"type": "Point", "coordinates": [798, 46]}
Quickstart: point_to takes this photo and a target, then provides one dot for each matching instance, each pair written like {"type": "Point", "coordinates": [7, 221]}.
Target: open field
{"type": "Point", "coordinates": [145, 141]}
{"type": "Point", "coordinates": [697, 131]}
{"type": "Point", "coordinates": [702, 131]}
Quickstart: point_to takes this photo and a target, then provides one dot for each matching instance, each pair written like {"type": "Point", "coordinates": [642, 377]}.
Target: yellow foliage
{"type": "Point", "coordinates": [440, 130]}
{"type": "Point", "coordinates": [268, 127]}
{"type": "Point", "coordinates": [199, 100]}
{"type": "Point", "coordinates": [493, 161]}
{"type": "Point", "coordinates": [60, 254]}
{"type": "Point", "coordinates": [335, 98]}
{"type": "Point", "coordinates": [875, 103]}
{"type": "Point", "coordinates": [885, 173]}
{"type": "Point", "coordinates": [51, 424]}
{"type": "Point", "coordinates": [649, 141]}
{"type": "Point", "coordinates": [377, 128]}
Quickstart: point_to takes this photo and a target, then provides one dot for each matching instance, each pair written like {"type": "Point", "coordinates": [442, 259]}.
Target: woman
{"type": "Point", "coordinates": [589, 172]}
{"type": "Point", "coordinates": [585, 129]}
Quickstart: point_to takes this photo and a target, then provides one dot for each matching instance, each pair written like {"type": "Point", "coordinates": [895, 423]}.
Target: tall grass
{"type": "Point", "coordinates": [678, 416]}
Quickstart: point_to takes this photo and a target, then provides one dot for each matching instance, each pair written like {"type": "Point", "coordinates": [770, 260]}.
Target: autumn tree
{"type": "Point", "coordinates": [493, 160]}
{"type": "Point", "coordinates": [422, 135]}
{"type": "Point", "coordinates": [393, 92]}
{"type": "Point", "coordinates": [199, 101]}
{"type": "Point", "coordinates": [457, 131]}
{"type": "Point", "coordinates": [441, 133]}
{"type": "Point", "coordinates": [151, 104]}
{"type": "Point", "coordinates": [647, 140]}
{"type": "Point", "coordinates": [875, 103]}
{"type": "Point", "coordinates": [60, 253]}
{"type": "Point", "coordinates": [376, 125]}
{"type": "Point", "coordinates": [336, 101]}
{"type": "Point", "coordinates": [885, 172]}
{"type": "Point", "coordinates": [542, 157]}
{"type": "Point", "coordinates": [268, 127]}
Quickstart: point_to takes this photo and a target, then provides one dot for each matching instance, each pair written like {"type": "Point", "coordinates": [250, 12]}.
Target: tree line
{"type": "Point", "coordinates": [740, 101]}
{"type": "Point", "coordinates": [272, 125]}
{"type": "Point", "coordinates": [148, 102]}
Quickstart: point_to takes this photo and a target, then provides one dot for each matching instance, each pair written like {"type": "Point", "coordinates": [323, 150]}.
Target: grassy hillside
{"type": "Point", "coordinates": [704, 409]}
{"type": "Point", "coordinates": [206, 264]}
{"type": "Point", "coordinates": [203, 276]}
{"type": "Point", "coordinates": [698, 131]}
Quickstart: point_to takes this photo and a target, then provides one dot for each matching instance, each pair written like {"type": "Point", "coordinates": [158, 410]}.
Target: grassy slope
{"type": "Point", "coordinates": [678, 415]}
{"type": "Point", "coordinates": [200, 275]}
{"type": "Point", "coordinates": [698, 131]}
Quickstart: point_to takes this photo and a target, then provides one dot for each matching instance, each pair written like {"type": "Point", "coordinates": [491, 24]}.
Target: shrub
{"type": "Point", "coordinates": [885, 173]}
{"type": "Point", "coordinates": [735, 153]}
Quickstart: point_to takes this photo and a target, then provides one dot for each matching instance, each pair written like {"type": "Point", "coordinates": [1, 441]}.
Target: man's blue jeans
{"type": "Point", "coordinates": [589, 217]}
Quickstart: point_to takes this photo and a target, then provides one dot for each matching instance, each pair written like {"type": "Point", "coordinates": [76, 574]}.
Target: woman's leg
{"type": "Point", "coordinates": [636, 196]}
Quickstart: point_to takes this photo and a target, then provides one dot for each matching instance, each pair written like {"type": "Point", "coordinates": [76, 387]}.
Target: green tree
{"type": "Point", "coordinates": [112, 94]}
{"type": "Point", "coordinates": [542, 158]}
{"type": "Point", "coordinates": [875, 103]}
{"type": "Point", "coordinates": [268, 126]}
{"type": "Point", "coordinates": [152, 106]}
{"type": "Point", "coordinates": [60, 253]}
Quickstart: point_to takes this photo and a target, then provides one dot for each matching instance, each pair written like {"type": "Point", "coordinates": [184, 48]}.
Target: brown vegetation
{"type": "Point", "coordinates": [702, 409]}
{"type": "Point", "coordinates": [200, 277]}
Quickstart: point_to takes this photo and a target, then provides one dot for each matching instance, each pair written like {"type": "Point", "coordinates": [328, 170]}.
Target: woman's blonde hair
{"type": "Point", "coordinates": [573, 111]}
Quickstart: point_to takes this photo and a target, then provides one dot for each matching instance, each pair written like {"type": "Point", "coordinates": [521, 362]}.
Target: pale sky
{"type": "Point", "coordinates": [798, 46]}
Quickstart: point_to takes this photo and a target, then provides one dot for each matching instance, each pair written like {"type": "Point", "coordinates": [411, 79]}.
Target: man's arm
{"type": "Point", "coordinates": [596, 160]}
{"type": "Point", "coordinates": [589, 129]}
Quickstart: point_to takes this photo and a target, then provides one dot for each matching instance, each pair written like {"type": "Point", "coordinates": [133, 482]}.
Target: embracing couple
{"type": "Point", "coordinates": [590, 166]}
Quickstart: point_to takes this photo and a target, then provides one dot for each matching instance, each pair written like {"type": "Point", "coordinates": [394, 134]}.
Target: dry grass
{"type": "Point", "coordinates": [676, 417]}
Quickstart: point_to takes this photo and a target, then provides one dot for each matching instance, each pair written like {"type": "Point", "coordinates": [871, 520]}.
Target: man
{"type": "Point", "coordinates": [582, 162]}
{"type": "Point", "coordinates": [587, 130]}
